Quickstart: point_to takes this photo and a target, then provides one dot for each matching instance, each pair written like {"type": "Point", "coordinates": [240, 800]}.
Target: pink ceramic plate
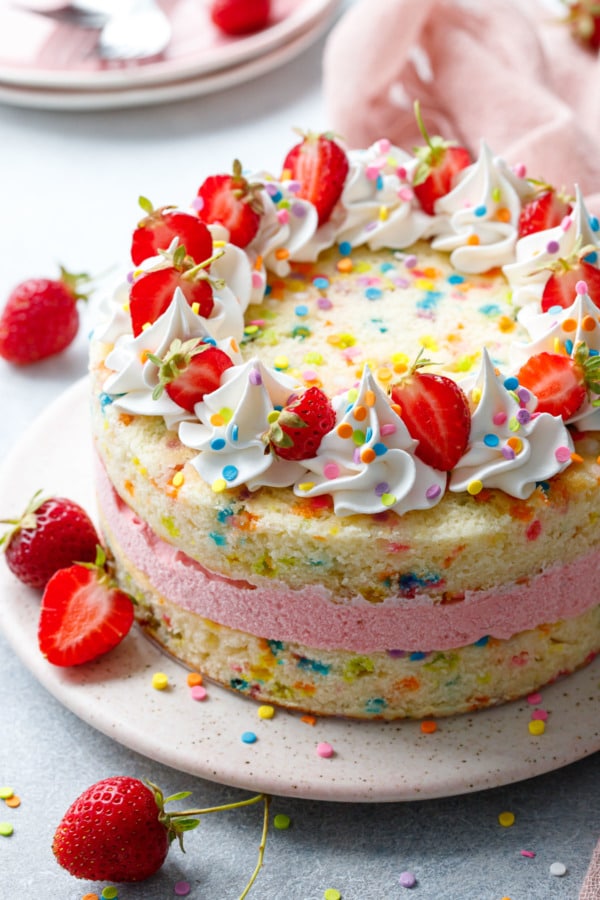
{"type": "Point", "coordinates": [36, 51]}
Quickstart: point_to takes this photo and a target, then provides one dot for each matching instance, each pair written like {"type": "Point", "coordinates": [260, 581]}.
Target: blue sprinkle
{"type": "Point", "coordinates": [569, 346]}
{"type": "Point", "coordinates": [490, 309]}
{"type": "Point", "coordinates": [276, 197]}
{"type": "Point", "coordinates": [301, 310]}
{"type": "Point", "coordinates": [345, 248]}
{"type": "Point", "coordinates": [480, 211]}
{"type": "Point", "coordinates": [455, 279]}
{"type": "Point", "coordinates": [219, 539]}
{"type": "Point", "coordinates": [248, 737]}
{"type": "Point", "coordinates": [430, 300]}
{"type": "Point", "coordinates": [217, 444]}
{"type": "Point", "coordinates": [106, 400]}
{"type": "Point", "coordinates": [511, 384]}
{"type": "Point", "coordinates": [387, 267]}
{"type": "Point", "coordinates": [209, 340]}
{"type": "Point", "coordinates": [239, 684]}
{"type": "Point", "coordinates": [591, 257]}
{"type": "Point", "coordinates": [555, 310]}
{"type": "Point", "coordinates": [414, 657]}
{"type": "Point", "coordinates": [275, 647]}
{"type": "Point", "coordinates": [593, 352]}
{"type": "Point", "coordinates": [235, 432]}
{"type": "Point", "coordinates": [594, 223]}
{"type": "Point", "coordinates": [375, 704]}
{"type": "Point", "coordinates": [379, 182]}
{"type": "Point", "coordinates": [373, 293]}
{"type": "Point", "coordinates": [268, 290]}
{"type": "Point", "coordinates": [482, 641]}
{"type": "Point", "coordinates": [368, 435]}
{"type": "Point", "coordinates": [321, 283]}
{"type": "Point", "coordinates": [314, 665]}
{"type": "Point", "coordinates": [230, 473]}
{"type": "Point", "coordinates": [379, 449]}
{"type": "Point", "coordinates": [491, 440]}
{"type": "Point", "coordinates": [224, 514]}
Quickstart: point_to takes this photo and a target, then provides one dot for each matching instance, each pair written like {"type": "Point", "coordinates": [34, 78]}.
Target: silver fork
{"type": "Point", "coordinates": [81, 13]}
{"type": "Point", "coordinates": [139, 30]}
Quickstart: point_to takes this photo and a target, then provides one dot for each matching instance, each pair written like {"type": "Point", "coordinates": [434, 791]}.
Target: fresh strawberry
{"type": "Point", "coordinates": [560, 287]}
{"type": "Point", "coordinates": [320, 165]}
{"type": "Point", "coordinates": [159, 227]}
{"type": "Point", "coordinates": [83, 614]}
{"type": "Point", "coordinates": [41, 318]}
{"type": "Point", "coordinates": [440, 162]}
{"type": "Point", "coordinates": [583, 19]}
{"type": "Point", "coordinates": [51, 534]}
{"type": "Point", "coordinates": [152, 292]}
{"type": "Point", "coordinates": [561, 383]}
{"type": "Point", "coordinates": [190, 370]}
{"type": "Point", "coordinates": [436, 412]}
{"type": "Point", "coordinates": [118, 830]}
{"type": "Point", "coordinates": [237, 17]}
{"type": "Point", "coordinates": [300, 426]}
{"type": "Point", "coordinates": [231, 201]}
{"type": "Point", "coordinates": [546, 210]}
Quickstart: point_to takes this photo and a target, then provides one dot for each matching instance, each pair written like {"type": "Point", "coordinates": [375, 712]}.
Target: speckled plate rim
{"type": "Point", "coordinates": [372, 761]}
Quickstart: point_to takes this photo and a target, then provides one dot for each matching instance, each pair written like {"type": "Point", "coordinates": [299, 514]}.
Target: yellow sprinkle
{"type": "Point", "coordinates": [281, 362]}
{"type": "Point", "coordinates": [384, 374]}
{"type": "Point", "coordinates": [273, 416]}
{"type": "Point", "coordinates": [226, 413]}
{"type": "Point", "coordinates": [219, 244]}
{"type": "Point", "coordinates": [178, 479]}
{"type": "Point", "coordinates": [160, 681]}
{"type": "Point", "coordinates": [146, 326]}
{"type": "Point", "coordinates": [383, 213]}
{"type": "Point", "coordinates": [475, 487]}
{"type": "Point", "coordinates": [536, 726]}
{"type": "Point", "coordinates": [314, 359]}
{"type": "Point", "coordinates": [250, 329]}
{"type": "Point", "coordinates": [219, 485]}
{"type": "Point", "coordinates": [266, 712]}
{"type": "Point", "coordinates": [306, 485]}
{"type": "Point", "coordinates": [429, 342]}
{"type": "Point", "coordinates": [506, 819]}
{"type": "Point", "coordinates": [424, 284]}
{"type": "Point", "coordinates": [346, 340]}
{"type": "Point", "coordinates": [476, 395]}
{"type": "Point", "coordinates": [195, 307]}
{"type": "Point", "coordinates": [506, 324]}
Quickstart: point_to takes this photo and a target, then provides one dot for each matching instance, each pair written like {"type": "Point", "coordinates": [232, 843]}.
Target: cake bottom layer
{"type": "Point", "coordinates": [379, 685]}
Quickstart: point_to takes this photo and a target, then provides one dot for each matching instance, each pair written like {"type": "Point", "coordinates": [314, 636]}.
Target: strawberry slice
{"type": "Point", "coordinates": [158, 228]}
{"type": "Point", "coordinates": [546, 210]}
{"type": "Point", "coordinates": [152, 292]}
{"type": "Point", "coordinates": [83, 614]}
{"type": "Point", "coordinates": [235, 17]}
{"type": "Point", "coordinates": [440, 162]}
{"type": "Point", "coordinates": [190, 370]}
{"type": "Point", "coordinates": [301, 425]}
{"type": "Point", "coordinates": [560, 289]}
{"type": "Point", "coordinates": [231, 201]}
{"type": "Point", "coordinates": [561, 383]}
{"type": "Point", "coordinates": [320, 165]}
{"type": "Point", "coordinates": [436, 412]}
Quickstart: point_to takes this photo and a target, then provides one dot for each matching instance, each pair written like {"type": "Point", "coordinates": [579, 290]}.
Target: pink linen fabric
{"type": "Point", "coordinates": [590, 890]}
{"type": "Point", "coordinates": [502, 70]}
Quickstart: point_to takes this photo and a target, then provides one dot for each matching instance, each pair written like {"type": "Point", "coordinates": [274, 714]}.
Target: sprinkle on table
{"type": "Point", "coordinates": [266, 712]}
{"type": "Point", "coordinates": [182, 888]}
{"type": "Point", "coordinates": [506, 819]}
{"type": "Point", "coordinates": [558, 869]}
{"type": "Point", "coordinates": [6, 829]}
{"type": "Point", "coordinates": [407, 879]}
{"type": "Point", "coordinates": [537, 727]}
{"type": "Point", "coordinates": [332, 894]}
{"type": "Point", "coordinates": [282, 822]}
{"type": "Point", "coordinates": [325, 750]}
{"type": "Point", "coordinates": [160, 681]}
{"type": "Point", "coordinates": [248, 737]}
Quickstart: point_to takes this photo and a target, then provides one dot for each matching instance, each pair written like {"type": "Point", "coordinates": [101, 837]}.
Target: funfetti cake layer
{"type": "Point", "coordinates": [361, 580]}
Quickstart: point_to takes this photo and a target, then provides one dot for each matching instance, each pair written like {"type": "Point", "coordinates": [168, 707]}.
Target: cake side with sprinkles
{"type": "Point", "coordinates": [292, 519]}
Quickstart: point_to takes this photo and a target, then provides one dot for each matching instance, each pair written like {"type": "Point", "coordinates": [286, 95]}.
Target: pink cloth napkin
{"type": "Point", "coordinates": [590, 890]}
{"type": "Point", "coordinates": [503, 70]}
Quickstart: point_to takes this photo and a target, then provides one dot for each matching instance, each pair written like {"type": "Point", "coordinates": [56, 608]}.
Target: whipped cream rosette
{"type": "Point", "coordinates": [535, 254]}
{"type": "Point", "coordinates": [367, 461]}
{"type": "Point", "coordinates": [511, 446]}
{"type": "Point", "coordinates": [231, 423]}
{"type": "Point", "coordinates": [136, 377]}
{"type": "Point", "coordinates": [563, 331]}
{"type": "Point", "coordinates": [480, 216]}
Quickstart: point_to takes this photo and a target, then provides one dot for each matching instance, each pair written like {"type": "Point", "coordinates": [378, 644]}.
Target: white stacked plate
{"type": "Point", "coordinates": [53, 65]}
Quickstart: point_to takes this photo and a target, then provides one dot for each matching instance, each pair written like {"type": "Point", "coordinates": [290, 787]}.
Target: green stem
{"type": "Point", "coordinates": [210, 809]}
{"type": "Point", "coordinates": [261, 847]}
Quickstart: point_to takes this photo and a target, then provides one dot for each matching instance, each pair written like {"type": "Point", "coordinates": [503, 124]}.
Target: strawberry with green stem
{"type": "Point", "coordinates": [436, 413]}
{"type": "Point", "coordinates": [83, 614]}
{"type": "Point", "coordinates": [118, 830]}
{"type": "Point", "coordinates": [297, 430]}
{"type": "Point", "coordinates": [41, 317]}
{"type": "Point", "coordinates": [233, 202]}
{"type": "Point", "coordinates": [546, 209]}
{"type": "Point", "coordinates": [439, 162]}
{"type": "Point", "coordinates": [583, 18]}
{"type": "Point", "coordinates": [320, 166]}
{"type": "Point", "coordinates": [562, 383]}
{"type": "Point", "coordinates": [50, 534]}
{"type": "Point", "coordinates": [152, 292]}
{"type": "Point", "coordinates": [189, 370]}
{"type": "Point", "coordinates": [159, 227]}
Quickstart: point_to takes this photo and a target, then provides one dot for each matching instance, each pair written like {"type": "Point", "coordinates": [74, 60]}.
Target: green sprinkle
{"type": "Point", "coordinates": [332, 894]}
{"type": "Point", "coordinates": [110, 892]}
{"type": "Point", "coordinates": [6, 829]}
{"type": "Point", "coordinates": [281, 821]}
{"type": "Point", "coordinates": [6, 793]}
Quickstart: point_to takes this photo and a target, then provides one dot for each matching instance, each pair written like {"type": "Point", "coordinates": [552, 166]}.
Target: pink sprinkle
{"type": "Point", "coordinates": [257, 280]}
{"type": "Point", "coordinates": [384, 145]}
{"type": "Point", "coordinates": [540, 714]}
{"type": "Point", "coordinates": [566, 223]}
{"type": "Point", "coordinates": [410, 262]}
{"type": "Point", "coordinates": [433, 491]}
{"type": "Point", "coordinates": [406, 194]}
{"type": "Point", "coordinates": [198, 692]}
{"type": "Point", "coordinates": [182, 888]}
{"type": "Point", "coordinates": [528, 853]}
{"type": "Point", "coordinates": [283, 216]}
{"type": "Point", "coordinates": [581, 287]}
{"type": "Point", "coordinates": [310, 375]}
{"type": "Point", "coordinates": [260, 323]}
{"type": "Point", "coordinates": [562, 454]}
{"type": "Point", "coordinates": [534, 698]}
{"type": "Point", "coordinates": [372, 173]}
{"type": "Point", "coordinates": [552, 247]}
{"type": "Point", "coordinates": [197, 203]}
{"type": "Point", "coordinates": [499, 418]}
{"type": "Point", "coordinates": [331, 470]}
{"type": "Point", "coordinates": [390, 428]}
{"type": "Point", "coordinates": [325, 750]}
{"type": "Point", "coordinates": [401, 173]}
{"type": "Point", "coordinates": [520, 170]}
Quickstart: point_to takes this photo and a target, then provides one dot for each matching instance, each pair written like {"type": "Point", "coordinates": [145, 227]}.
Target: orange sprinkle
{"type": "Point", "coordinates": [569, 325]}
{"type": "Point", "coordinates": [505, 324]}
{"type": "Point", "coordinates": [428, 726]}
{"type": "Point", "coordinates": [397, 408]}
{"type": "Point", "coordinates": [13, 801]}
{"type": "Point", "coordinates": [588, 323]}
{"type": "Point", "coordinates": [309, 720]}
{"type": "Point", "coordinates": [345, 430]}
{"type": "Point", "coordinates": [282, 253]}
{"type": "Point", "coordinates": [515, 444]}
{"type": "Point", "coordinates": [408, 684]}
{"type": "Point", "coordinates": [400, 368]}
{"type": "Point", "coordinates": [345, 265]}
{"type": "Point", "coordinates": [258, 262]}
{"type": "Point", "coordinates": [431, 272]}
{"type": "Point", "coordinates": [473, 240]}
{"type": "Point", "coordinates": [359, 413]}
{"type": "Point", "coordinates": [576, 458]}
{"type": "Point", "coordinates": [234, 345]}
{"type": "Point", "coordinates": [217, 419]}
{"type": "Point", "coordinates": [128, 485]}
{"type": "Point", "coordinates": [370, 398]}
{"type": "Point", "coordinates": [90, 896]}
{"type": "Point", "coordinates": [125, 418]}
{"type": "Point", "coordinates": [367, 455]}
{"type": "Point", "coordinates": [194, 679]}
{"type": "Point", "coordinates": [144, 356]}
{"type": "Point", "coordinates": [503, 214]}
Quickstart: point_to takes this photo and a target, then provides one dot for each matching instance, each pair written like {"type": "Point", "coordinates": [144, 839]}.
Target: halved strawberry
{"type": "Point", "coordinates": [436, 412]}
{"type": "Point", "coordinates": [320, 165]}
{"type": "Point", "coordinates": [546, 210]}
{"type": "Point", "coordinates": [231, 201]}
{"type": "Point", "coordinates": [158, 228]}
{"type": "Point", "coordinates": [440, 162]}
{"type": "Point", "coordinates": [189, 371]}
{"type": "Point", "coordinates": [301, 425]}
{"type": "Point", "coordinates": [83, 614]}
{"type": "Point", "coordinates": [152, 292]}
{"type": "Point", "coordinates": [561, 383]}
{"type": "Point", "coordinates": [560, 289]}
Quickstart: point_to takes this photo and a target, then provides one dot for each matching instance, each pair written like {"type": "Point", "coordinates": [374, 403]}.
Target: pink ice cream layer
{"type": "Point", "coordinates": [315, 617]}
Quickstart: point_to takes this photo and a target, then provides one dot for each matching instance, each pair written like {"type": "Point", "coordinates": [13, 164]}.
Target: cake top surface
{"type": "Point", "coordinates": [309, 332]}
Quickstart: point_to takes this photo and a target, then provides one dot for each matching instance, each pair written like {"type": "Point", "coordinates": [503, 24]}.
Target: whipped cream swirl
{"type": "Point", "coordinates": [367, 461]}
{"type": "Point", "coordinates": [511, 446]}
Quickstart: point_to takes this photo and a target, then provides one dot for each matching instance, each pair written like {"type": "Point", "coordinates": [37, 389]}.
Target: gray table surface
{"type": "Point", "coordinates": [69, 185]}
